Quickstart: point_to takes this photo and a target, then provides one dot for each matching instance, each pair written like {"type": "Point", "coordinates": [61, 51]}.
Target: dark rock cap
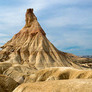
{"type": "Point", "coordinates": [30, 17]}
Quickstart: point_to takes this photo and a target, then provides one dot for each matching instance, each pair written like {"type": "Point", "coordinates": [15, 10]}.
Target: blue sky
{"type": "Point", "coordinates": [67, 23]}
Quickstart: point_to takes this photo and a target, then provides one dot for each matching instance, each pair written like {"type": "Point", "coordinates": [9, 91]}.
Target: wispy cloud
{"type": "Point", "coordinates": [3, 35]}
{"type": "Point", "coordinates": [74, 16]}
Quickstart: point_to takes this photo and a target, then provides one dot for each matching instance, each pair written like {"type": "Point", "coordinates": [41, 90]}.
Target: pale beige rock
{"type": "Point", "coordinates": [19, 72]}
{"type": "Point", "coordinates": [75, 85]}
{"type": "Point", "coordinates": [59, 73]}
{"type": "Point", "coordinates": [4, 66]}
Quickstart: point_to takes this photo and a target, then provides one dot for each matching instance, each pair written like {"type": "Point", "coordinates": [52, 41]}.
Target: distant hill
{"type": "Point", "coordinates": [87, 56]}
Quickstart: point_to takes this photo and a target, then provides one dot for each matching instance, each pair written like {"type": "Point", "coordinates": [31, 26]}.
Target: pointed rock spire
{"type": "Point", "coordinates": [31, 45]}
{"type": "Point", "coordinates": [32, 23]}
{"type": "Point", "coordinates": [30, 17]}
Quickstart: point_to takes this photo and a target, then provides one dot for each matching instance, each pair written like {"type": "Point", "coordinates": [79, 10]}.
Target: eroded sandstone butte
{"type": "Point", "coordinates": [30, 45]}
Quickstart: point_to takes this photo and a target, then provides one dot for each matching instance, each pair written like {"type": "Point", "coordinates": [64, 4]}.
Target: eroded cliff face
{"type": "Point", "coordinates": [30, 45]}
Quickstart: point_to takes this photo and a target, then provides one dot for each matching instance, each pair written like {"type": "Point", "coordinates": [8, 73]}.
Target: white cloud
{"type": "Point", "coordinates": [41, 4]}
{"type": "Point", "coordinates": [1, 35]}
{"type": "Point", "coordinates": [72, 16]}
{"type": "Point", "coordinates": [70, 39]}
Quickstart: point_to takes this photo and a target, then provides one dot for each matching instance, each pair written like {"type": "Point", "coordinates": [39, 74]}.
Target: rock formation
{"type": "Point", "coordinates": [30, 45]}
{"type": "Point", "coordinates": [30, 57]}
{"type": "Point", "coordinates": [58, 73]}
{"type": "Point", "coordinates": [18, 72]}
{"type": "Point", "coordinates": [73, 85]}
{"type": "Point", "coordinates": [7, 84]}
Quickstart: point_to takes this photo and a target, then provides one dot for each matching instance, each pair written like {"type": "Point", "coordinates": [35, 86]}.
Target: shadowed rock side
{"type": "Point", "coordinates": [7, 84]}
{"type": "Point", "coordinates": [74, 85]}
{"type": "Point", "coordinates": [30, 45]}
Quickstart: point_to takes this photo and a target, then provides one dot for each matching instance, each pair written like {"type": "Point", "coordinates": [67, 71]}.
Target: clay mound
{"type": "Point", "coordinates": [60, 73]}
{"type": "Point", "coordinates": [7, 84]}
{"type": "Point", "coordinates": [18, 72]}
{"type": "Point", "coordinates": [31, 45]}
{"type": "Point", "coordinates": [57, 86]}
{"type": "Point", "coordinates": [4, 66]}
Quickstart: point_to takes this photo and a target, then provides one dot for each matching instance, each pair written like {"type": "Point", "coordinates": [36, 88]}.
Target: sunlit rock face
{"type": "Point", "coordinates": [73, 85]}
